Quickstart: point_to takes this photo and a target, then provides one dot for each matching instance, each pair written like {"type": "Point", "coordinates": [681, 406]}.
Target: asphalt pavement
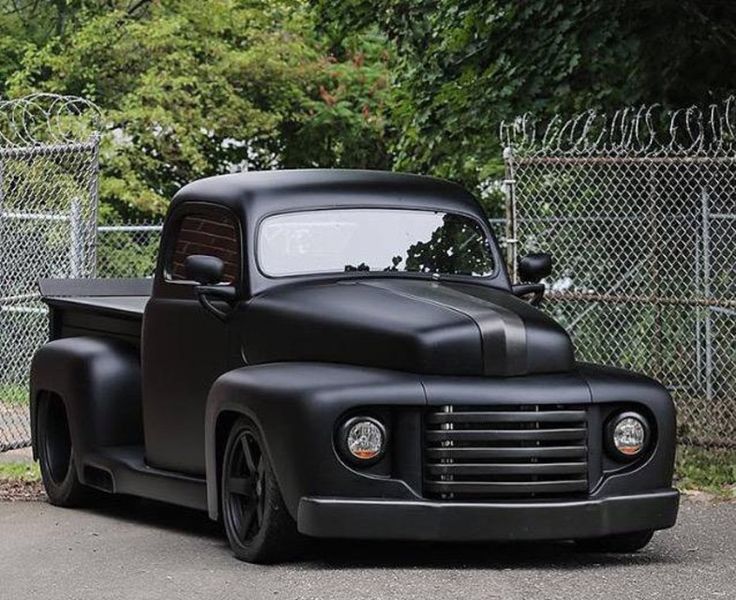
{"type": "Point", "coordinates": [143, 550]}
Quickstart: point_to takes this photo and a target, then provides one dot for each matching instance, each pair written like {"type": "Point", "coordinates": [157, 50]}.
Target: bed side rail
{"type": "Point", "coordinates": [60, 288]}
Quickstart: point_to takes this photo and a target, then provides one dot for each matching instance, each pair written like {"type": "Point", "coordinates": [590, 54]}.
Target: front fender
{"type": "Point", "coordinates": [613, 389]}
{"type": "Point", "coordinates": [296, 407]}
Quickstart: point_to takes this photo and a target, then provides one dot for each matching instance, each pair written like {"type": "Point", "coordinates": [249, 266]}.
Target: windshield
{"type": "Point", "coordinates": [372, 239]}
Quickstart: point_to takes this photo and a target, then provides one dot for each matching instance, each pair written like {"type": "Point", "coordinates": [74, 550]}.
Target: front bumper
{"type": "Point", "coordinates": [445, 521]}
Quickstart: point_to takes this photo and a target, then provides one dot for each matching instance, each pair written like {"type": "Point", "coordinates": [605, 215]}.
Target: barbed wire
{"type": "Point", "coordinates": [48, 119]}
{"type": "Point", "coordinates": [646, 131]}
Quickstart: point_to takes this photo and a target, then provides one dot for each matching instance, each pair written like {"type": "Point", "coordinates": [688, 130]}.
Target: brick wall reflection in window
{"type": "Point", "coordinates": [210, 235]}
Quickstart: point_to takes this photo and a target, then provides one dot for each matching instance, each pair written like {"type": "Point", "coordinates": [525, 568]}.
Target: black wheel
{"type": "Point", "coordinates": [622, 542]}
{"type": "Point", "coordinates": [56, 455]}
{"type": "Point", "coordinates": [258, 525]}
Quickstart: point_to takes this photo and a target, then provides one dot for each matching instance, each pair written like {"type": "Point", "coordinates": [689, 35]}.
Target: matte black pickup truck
{"type": "Point", "coordinates": [342, 354]}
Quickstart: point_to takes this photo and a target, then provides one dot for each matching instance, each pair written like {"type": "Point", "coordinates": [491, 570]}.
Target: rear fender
{"type": "Point", "coordinates": [99, 382]}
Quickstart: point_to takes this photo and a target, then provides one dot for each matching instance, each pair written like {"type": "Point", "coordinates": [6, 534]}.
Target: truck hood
{"type": "Point", "coordinates": [410, 325]}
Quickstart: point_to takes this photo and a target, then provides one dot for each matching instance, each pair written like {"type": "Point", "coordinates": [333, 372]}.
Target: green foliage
{"type": "Point", "coordinates": [465, 66]}
{"type": "Point", "coordinates": [125, 255]}
{"type": "Point", "coordinates": [20, 471]}
{"type": "Point", "coordinates": [347, 120]}
{"type": "Point", "coordinates": [13, 394]}
{"type": "Point", "coordinates": [192, 88]}
{"type": "Point", "coordinates": [455, 247]}
{"type": "Point", "coordinates": [708, 469]}
{"type": "Point", "coordinates": [188, 93]}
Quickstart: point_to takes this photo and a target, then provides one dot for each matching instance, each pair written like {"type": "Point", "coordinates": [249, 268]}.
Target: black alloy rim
{"type": "Point", "coordinates": [245, 487]}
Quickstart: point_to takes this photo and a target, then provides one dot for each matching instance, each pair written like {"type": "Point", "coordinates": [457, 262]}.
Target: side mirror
{"type": "Point", "coordinates": [209, 272]}
{"type": "Point", "coordinates": [205, 270]}
{"type": "Point", "coordinates": [535, 267]}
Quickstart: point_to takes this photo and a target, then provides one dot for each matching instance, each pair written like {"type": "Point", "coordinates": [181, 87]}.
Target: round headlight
{"type": "Point", "coordinates": [363, 439]}
{"type": "Point", "coordinates": [628, 434]}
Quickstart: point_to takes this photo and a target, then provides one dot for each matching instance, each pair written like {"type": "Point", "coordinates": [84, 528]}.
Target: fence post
{"type": "Point", "coordinates": [654, 218]}
{"type": "Point", "coordinates": [3, 278]}
{"type": "Point", "coordinates": [511, 224]}
{"type": "Point", "coordinates": [76, 238]}
{"type": "Point", "coordinates": [94, 189]}
{"type": "Point", "coordinates": [3, 254]}
{"type": "Point", "coordinates": [705, 203]}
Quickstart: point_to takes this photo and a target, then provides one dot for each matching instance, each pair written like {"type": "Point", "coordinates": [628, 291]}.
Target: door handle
{"type": "Point", "coordinates": [208, 294]}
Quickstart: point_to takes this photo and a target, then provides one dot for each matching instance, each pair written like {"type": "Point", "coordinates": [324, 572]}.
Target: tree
{"type": "Point", "coordinates": [188, 92]}
{"type": "Point", "coordinates": [456, 247]}
{"type": "Point", "coordinates": [465, 66]}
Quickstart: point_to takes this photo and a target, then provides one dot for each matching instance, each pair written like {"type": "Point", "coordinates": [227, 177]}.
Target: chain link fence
{"type": "Point", "coordinates": [49, 148]}
{"type": "Point", "coordinates": [119, 250]}
{"type": "Point", "coordinates": [128, 250]}
{"type": "Point", "coordinates": [639, 212]}
{"type": "Point", "coordinates": [48, 205]}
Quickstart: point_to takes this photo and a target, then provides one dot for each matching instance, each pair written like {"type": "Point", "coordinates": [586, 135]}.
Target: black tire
{"type": "Point", "coordinates": [56, 455]}
{"type": "Point", "coordinates": [622, 542]}
{"type": "Point", "coordinates": [257, 522]}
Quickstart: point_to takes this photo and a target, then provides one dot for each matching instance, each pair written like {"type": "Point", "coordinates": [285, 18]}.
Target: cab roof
{"type": "Point", "coordinates": [254, 194]}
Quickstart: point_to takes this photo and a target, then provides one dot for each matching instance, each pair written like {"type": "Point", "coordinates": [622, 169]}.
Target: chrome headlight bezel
{"type": "Point", "coordinates": [611, 434]}
{"type": "Point", "coordinates": [343, 443]}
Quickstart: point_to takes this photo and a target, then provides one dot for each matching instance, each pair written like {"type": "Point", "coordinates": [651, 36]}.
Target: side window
{"type": "Point", "coordinates": [210, 234]}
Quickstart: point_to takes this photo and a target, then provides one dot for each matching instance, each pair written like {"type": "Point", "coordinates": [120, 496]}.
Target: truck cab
{"type": "Point", "coordinates": [342, 354]}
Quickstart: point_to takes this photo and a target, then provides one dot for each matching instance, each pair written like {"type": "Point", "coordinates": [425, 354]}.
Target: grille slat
{"type": "Point", "coordinates": [508, 487]}
{"type": "Point", "coordinates": [475, 453]}
{"type": "Point", "coordinates": [552, 416]}
{"type": "Point", "coordinates": [540, 452]}
{"type": "Point", "coordinates": [494, 435]}
{"type": "Point", "coordinates": [508, 469]}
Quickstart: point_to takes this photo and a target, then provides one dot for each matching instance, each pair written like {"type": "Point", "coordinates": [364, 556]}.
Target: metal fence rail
{"type": "Point", "coordinates": [639, 211]}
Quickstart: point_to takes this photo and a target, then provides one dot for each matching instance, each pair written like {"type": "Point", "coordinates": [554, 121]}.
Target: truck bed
{"type": "Point", "coordinates": [96, 307]}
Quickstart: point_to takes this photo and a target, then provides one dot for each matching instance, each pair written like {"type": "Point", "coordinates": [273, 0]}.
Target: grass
{"type": "Point", "coordinates": [710, 470]}
{"type": "Point", "coordinates": [707, 470]}
{"type": "Point", "coordinates": [20, 481]}
{"type": "Point", "coordinates": [13, 394]}
{"type": "Point", "coordinates": [20, 471]}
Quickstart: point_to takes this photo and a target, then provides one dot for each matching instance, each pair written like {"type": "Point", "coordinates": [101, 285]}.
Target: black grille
{"type": "Point", "coordinates": [475, 453]}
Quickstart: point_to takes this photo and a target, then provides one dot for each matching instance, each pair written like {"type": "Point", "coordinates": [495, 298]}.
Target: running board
{"type": "Point", "coordinates": [123, 470]}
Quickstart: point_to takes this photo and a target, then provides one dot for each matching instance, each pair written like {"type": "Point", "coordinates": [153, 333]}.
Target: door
{"type": "Point", "coordinates": [185, 348]}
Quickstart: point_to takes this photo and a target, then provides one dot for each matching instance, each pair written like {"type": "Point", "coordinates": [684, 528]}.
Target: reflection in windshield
{"type": "Point", "coordinates": [376, 240]}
